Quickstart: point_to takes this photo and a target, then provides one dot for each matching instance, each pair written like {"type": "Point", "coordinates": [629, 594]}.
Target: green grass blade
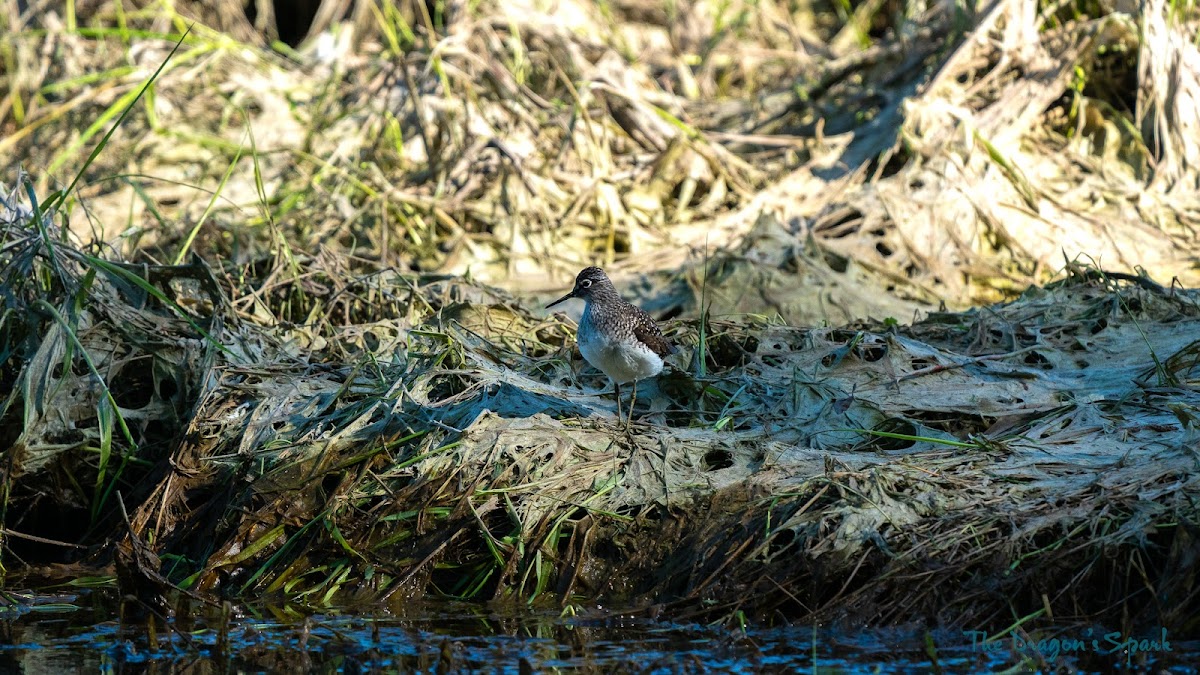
{"type": "Point", "coordinates": [212, 202]}
{"type": "Point", "coordinates": [108, 397]}
{"type": "Point", "coordinates": [57, 198]}
{"type": "Point", "coordinates": [153, 290]}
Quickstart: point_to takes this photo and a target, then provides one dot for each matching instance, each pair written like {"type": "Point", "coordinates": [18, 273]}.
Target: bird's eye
{"type": "Point", "coordinates": [586, 283]}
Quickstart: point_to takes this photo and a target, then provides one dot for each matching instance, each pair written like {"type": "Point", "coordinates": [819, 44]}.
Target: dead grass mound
{"type": "Point", "coordinates": [928, 154]}
{"type": "Point", "coordinates": [1037, 456]}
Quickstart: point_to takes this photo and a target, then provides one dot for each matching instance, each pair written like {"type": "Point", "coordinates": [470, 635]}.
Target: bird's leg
{"type": "Point", "coordinates": [632, 400]}
{"type": "Point", "coordinates": [617, 389]}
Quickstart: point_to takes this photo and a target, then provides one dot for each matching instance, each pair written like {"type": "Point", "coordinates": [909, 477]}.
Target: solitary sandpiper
{"type": "Point", "coordinates": [620, 339]}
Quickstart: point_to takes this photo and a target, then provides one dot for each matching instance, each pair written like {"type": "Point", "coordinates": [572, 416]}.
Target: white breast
{"type": "Point", "coordinates": [622, 361]}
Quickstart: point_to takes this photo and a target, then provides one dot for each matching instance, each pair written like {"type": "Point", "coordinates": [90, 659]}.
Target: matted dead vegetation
{"type": "Point", "coordinates": [1015, 458]}
{"type": "Point", "coordinates": [946, 154]}
{"type": "Point", "coordinates": [344, 406]}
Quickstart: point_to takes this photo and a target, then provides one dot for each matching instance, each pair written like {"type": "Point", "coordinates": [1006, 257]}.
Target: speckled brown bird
{"type": "Point", "coordinates": [620, 339]}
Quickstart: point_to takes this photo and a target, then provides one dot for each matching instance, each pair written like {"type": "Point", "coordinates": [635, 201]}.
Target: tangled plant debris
{"type": "Point", "coordinates": [946, 155]}
{"type": "Point", "coordinates": [345, 404]}
{"type": "Point", "coordinates": [460, 446]}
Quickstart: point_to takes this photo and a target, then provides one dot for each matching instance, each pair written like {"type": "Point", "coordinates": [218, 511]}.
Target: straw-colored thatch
{"type": "Point", "coordinates": [956, 159]}
{"type": "Point", "coordinates": [459, 446]}
{"type": "Point", "coordinates": [343, 403]}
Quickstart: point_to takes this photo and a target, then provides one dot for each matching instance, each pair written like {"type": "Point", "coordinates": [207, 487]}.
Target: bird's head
{"type": "Point", "coordinates": [590, 282]}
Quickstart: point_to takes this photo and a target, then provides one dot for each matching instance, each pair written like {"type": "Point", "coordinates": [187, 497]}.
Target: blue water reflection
{"type": "Point", "coordinates": [438, 638]}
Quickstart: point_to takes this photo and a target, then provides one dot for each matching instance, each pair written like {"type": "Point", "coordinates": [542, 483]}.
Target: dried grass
{"type": "Point", "coordinates": [519, 144]}
{"type": "Point", "coordinates": [957, 468]}
{"type": "Point", "coordinates": [297, 422]}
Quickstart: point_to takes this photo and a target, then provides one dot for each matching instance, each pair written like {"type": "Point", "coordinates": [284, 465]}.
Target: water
{"type": "Point", "coordinates": [74, 633]}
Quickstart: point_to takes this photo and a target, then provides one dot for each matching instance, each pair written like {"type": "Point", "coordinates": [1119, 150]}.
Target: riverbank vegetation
{"type": "Point", "coordinates": [277, 334]}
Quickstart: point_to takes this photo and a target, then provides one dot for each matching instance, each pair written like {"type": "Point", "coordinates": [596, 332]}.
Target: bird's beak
{"type": "Point", "coordinates": [568, 296]}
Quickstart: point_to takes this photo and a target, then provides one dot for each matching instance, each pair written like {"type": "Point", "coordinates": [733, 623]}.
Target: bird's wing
{"type": "Point", "coordinates": [646, 330]}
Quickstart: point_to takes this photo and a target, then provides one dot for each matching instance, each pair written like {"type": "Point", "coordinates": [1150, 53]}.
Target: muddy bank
{"type": "Point", "coordinates": [437, 437]}
{"type": "Point", "coordinates": [273, 335]}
